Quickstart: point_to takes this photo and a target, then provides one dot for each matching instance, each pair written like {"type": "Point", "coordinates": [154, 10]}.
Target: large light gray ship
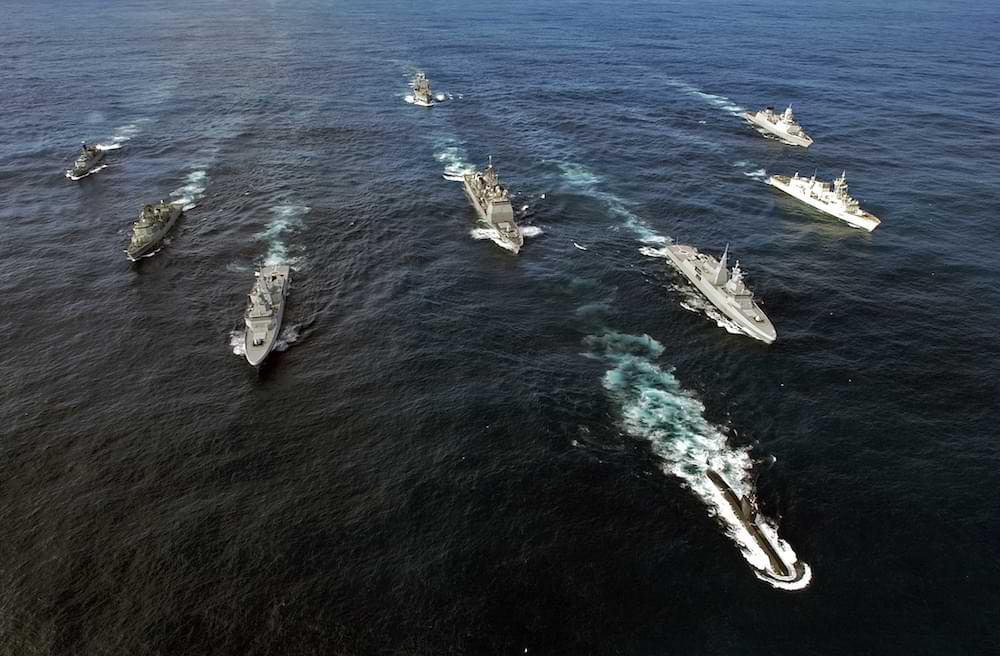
{"type": "Point", "coordinates": [492, 203]}
{"type": "Point", "coordinates": [265, 310]}
{"type": "Point", "coordinates": [88, 161]}
{"type": "Point", "coordinates": [783, 126]}
{"type": "Point", "coordinates": [152, 226]}
{"type": "Point", "coordinates": [724, 288]}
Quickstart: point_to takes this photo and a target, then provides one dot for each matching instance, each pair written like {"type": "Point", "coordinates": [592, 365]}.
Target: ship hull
{"type": "Point", "coordinates": [92, 167]}
{"type": "Point", "coordinates": [153, 244]}
{"type": "Point", "coordinates": [770, 128]}
{"type": "Point", "coordinates": [760, 330]}
{"type": "Point", "coordinates": [256, 354]}
{"type": "Point", "coordinates": [863, 220]}
{"type": "Point", "coordinates": [484, 216]}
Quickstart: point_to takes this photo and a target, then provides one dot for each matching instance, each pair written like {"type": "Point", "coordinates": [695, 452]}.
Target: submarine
{"type": "Point", "coordinates": [780, 570]}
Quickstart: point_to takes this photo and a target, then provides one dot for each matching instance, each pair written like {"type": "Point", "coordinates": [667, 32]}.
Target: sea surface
{"type": "Point", "coordinates": [455, 450]}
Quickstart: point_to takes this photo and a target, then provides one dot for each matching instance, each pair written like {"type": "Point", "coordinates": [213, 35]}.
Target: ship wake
{"type": "Point", "coordinates": [96, 169]}
{"type": "Point", "coordinates": [581, 179]}
{"type": "Point", "coordinates": [285, 219]}
{"type": "Point", "coordinates": [193, 188]}
{"type": "Point", "coordinates": [450, 153]}
{"type": "Point", "coordinates": [654, 407]}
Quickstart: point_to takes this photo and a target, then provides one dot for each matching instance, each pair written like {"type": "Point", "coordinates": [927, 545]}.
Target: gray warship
{"type": "Point", "coordinates": [421, 90]}
{"type": "Point", "coordinates": [89, 159]}
{"type": "Point", "coordinates": [492, 203]}
{"type": "Point", "coordinates": [265, 309]}
{"type": "Point", "coordinates": [152, 226]}
{"type": "Point", "coordinates": [724, 288]}
{"type": "Point", "coordinates": [780, 568]}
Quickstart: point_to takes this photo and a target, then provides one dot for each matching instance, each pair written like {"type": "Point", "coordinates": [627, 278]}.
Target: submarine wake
{"type": "Point", "coordinates": [654, 407]}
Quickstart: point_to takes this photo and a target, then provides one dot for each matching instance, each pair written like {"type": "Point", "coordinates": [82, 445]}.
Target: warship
{"type": "Point", "coordinates": [492, 203]}
{"type": "Point", "coordinates": [265, 308]}
{"type": "Point", "coordinates": [781, 125]}
{"type": "Point", "coordinates": [89, 159]}
{"type": "Point", "coordinates": [152, 226]}
{"type": "Point", "coordinates": [421, 90]}
{"type": "Point", "coordinates": [724, 288]}
{"type": "Point", "coordinates": [834, 201]}
{"type": "Point", "coordinates": [778, 568]}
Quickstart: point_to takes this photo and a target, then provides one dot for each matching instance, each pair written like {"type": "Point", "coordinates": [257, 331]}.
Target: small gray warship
{"type": "Point", "coordinates": [724, 288]}
{"type": "Point", "coordinates": [783, 126]}
{"type": "Point", "coordinates": [780, 568]}
{"type": "Point", "coordinates": [421, 90]}
{"type": "Point", "coordinates": [265, 309]}
{"type": "Point", "coordinates": [89, 159]}
{"type": "Point", "coordinates": [492, 203]}
{"type": "Point", "coordinates": [152, 226]}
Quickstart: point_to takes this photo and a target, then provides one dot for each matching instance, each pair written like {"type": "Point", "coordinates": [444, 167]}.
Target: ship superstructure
{"type": "Point", "coordinates": [833, 199]}
{"type": "Point", "coordinates": [492, 203]}
{"type": "Point", "coordinates": [265, 310]}
{"type": "Point", "coordinates": [783, 125]}
{"type": "Point", "coordinates": [153, 224]}
{"type": "Point", "coordinates": [421, 90]}
{"type": "Point", "coordinates": [724, 288]}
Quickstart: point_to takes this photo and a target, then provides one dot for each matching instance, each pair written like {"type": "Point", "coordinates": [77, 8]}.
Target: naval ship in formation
{"type": "Point", "coordinates": [265, 310]}
{"type": "Point", "coordinates": [780, 568]}
{"type": "Point", "coordinates": [152, 226]}
{"type": "Point", "coordinates": [87, 162]}
{"type": "Point", "coordinates": [781, 125]}
{"type": "Point", "coordinates": [724, 288]}
{"type": "Point", "coordinates": [421, 90]}
{"type": "Point", "coordinates": [492, 203]}
{"type": "Point", "coordinates": [834, 201]}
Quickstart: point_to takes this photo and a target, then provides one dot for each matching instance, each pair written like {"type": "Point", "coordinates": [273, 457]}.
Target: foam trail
{"type": "Point", "coordinates": [582, 248]}
{"type": "Point", "coordinates": [492, 235]}
{"type": "Point", "coordinates": [188, 193]}
{"type": "Point", "coordinates": [284, 219]}
{"type": "Point", "coordinates": [721, 102]}
{"type": "Point", "coordinates": [237, 342]}
{"type": "Point", "coordinates": [531, 231]}
{"type": "Point", "coordinates": [408, 98]}
{"type": "Point", "coordinates": [74, 178]}
{"type": "Point", "coordinates": [290, 334]}
{"type": "Point", "coordinates": [581, 178]}
{"type": "Point", "coordinates": [449, 152]}
{"type": "Point", "coordinates": [440, 97]}
{"type": "Point", "coordinates": [654, 407]}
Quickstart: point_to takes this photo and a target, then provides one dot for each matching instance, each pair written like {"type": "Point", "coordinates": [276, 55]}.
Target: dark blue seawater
{"type": "Point", "coordinates": [459, 451]}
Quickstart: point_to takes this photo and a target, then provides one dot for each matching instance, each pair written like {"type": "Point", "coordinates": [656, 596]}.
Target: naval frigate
{"type": "Point", "coordinates": [833, 200]}
{"type": "Point", "coordinates": [783, 126]}
{"type": "Point", "coordinates": [724, 288]}
{"type": "Point", "coordinates": [781, 568]}
{"type": "Point", "coordinates": [492, 203]}
{"type": "Point", "coordinates": [152, 226]}
{"type": "Point", "coordinates": [265, 309]}
{"type": "Point", "coordinates": [421, 90]}
{"type": "Point", "coordinates": [87, 162]}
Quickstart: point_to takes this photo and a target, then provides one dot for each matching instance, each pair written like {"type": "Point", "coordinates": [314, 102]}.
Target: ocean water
{"type": "Point", "coordinates": [455, 450]}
